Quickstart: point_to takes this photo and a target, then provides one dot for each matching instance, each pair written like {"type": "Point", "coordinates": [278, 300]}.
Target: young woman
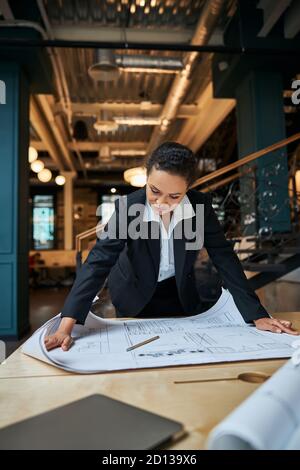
{"type": "Point", "coordinates": [153, 275]}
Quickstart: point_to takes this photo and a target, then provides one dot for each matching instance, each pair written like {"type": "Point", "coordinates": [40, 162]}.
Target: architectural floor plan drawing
{"type": "Point", "coordinates": [217, 335]}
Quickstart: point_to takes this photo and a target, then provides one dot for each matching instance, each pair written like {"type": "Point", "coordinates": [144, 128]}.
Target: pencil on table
{"type": "Point", "coordinates": [142, 343]}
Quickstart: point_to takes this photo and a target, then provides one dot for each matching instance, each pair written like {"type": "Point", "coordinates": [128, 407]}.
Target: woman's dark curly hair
{"type": "Point", "coordinates": [174, 158]}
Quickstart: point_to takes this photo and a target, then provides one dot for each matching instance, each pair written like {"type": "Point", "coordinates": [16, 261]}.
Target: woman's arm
{"type": "Point", "coordinates": [89, 280]}
{"type": "Point", "coordinates": [229, 266]}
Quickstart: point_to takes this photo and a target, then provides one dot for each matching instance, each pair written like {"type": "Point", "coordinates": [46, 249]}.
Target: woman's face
{"type": "Point", "coordinates": [164, 190]}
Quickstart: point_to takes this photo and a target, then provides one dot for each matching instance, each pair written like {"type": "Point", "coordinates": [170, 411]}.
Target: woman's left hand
{"type": "Point", "coordinates": [275, 325]}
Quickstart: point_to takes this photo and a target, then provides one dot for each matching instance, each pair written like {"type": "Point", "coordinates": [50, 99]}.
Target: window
{"type": "Point", "coordinates": [43, 222]}
{"type": "Point", "coordinates": [107, 207]}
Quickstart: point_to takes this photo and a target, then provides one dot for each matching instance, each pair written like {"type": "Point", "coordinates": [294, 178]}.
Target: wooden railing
{"type": "Point", "coordinates": [87, 234]}
{"type": "Point", "coordinates": [227, 180]}
{"type": "Point", "coordinates": [245, 160]}
{"type": "Point", "coordinates": [84, 236]}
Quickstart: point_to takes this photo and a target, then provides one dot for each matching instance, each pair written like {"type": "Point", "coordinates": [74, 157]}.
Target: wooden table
{"type": "Point", "coordinates": [199, 396]}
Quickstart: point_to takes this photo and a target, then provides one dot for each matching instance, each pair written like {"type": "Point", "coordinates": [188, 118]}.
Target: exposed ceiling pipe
{"type": "Point", "coordinates": [107, 65]}
{"type": "Point", "coordinates": [207, 22]}
{"type": "Point", "coordinates": [41, 126]}
{"type": "Point", "coordinates": [155, 64]}
{"type": "Point", "coordinates": [67, 99]}
{"type": "Point", "coordinates": [55, 128]}
{"type": "Point", "coordinates": [29, 24]}
{"type": "Point", "coordinates": [137, 121]}
{"type": "Point", "coordinates": [93, 31]}
{"type": "Point", "coordinates": [65, 96]}
{"type": "Point", "coordinates": [128, 153]}
{"type": "Point", "coordinates": [11, 23]}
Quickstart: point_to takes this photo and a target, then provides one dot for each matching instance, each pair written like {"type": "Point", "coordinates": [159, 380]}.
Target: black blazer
{"type": "Point", "coordinates": [132, 267]}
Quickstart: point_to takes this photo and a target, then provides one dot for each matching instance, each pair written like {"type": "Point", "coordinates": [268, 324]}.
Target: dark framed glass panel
{"type": "Point", "coordinates": [43, 222]}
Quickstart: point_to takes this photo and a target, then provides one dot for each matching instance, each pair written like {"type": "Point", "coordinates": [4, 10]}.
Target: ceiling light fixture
{"type": "Point", "coordinates": [105, 126]}
{"type": "Point", "coordinates": [45, 175]}
{"type": "Point", "coordinates": [60, 180]}
{"type": "Point", "coordinates": [32, 154]}
{"type": "Point", "coordinates": [136, 176]}
{"type": "Point", "coordinates": [37, 166]}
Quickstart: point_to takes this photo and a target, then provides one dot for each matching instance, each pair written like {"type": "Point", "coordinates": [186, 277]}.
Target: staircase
{"type": "Point", "coordinates": [269, 255]}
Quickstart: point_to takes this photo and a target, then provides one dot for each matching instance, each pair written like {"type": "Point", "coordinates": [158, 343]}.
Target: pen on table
{"type": "Point", "coordinates": [142, 343]}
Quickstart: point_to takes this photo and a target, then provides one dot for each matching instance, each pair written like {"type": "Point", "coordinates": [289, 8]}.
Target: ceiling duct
{"type": "Point", "coordinates": [147, 63]}
{"type": "Point", "coordinates": [107, 65]}
{"type": "Point", "coordinates": [210, 15]}
{"type": "Point", "coordinates": [105, 127]}
{"type": "Point", "coordinates": [105, 69]}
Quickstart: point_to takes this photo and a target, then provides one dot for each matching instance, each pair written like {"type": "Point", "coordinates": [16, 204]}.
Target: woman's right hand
{"type": "Point", "coordinates": [62, 337]}
{"type": "Point", "coordinates": [59, 338]}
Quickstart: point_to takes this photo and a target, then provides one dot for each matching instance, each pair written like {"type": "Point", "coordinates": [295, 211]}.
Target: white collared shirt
{"type": "Point", "coordinates": [183, 210]}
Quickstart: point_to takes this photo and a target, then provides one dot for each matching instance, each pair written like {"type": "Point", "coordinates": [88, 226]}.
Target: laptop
{"type": "Point", "coordinates": [96, 422]}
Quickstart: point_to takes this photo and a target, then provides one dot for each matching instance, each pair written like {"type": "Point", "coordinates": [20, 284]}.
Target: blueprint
{"type": "Point", "coordinates": [217, 335]}
{"type": "Point", "coordinates": [268, 420]}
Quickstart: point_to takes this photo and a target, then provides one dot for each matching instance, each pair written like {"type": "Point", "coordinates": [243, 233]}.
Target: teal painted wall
{"type": "Point", "coordinates": [14, 136]}
{"type": "Point", "coordinates": [261, 122]}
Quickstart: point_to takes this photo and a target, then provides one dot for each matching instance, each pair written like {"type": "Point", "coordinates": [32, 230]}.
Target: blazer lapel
{"type": "Point", "coordinates": [182, 256]}
{"type": "Point", "coordinates": [179, 252]}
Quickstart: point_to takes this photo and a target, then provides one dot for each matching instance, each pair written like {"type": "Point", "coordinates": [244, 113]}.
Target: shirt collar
{"type": "Point", "coordinates": [183, 210]}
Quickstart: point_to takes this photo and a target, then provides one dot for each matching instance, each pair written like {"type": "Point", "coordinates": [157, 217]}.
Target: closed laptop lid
{"type": "Point", "coordinates": [95, 422]}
